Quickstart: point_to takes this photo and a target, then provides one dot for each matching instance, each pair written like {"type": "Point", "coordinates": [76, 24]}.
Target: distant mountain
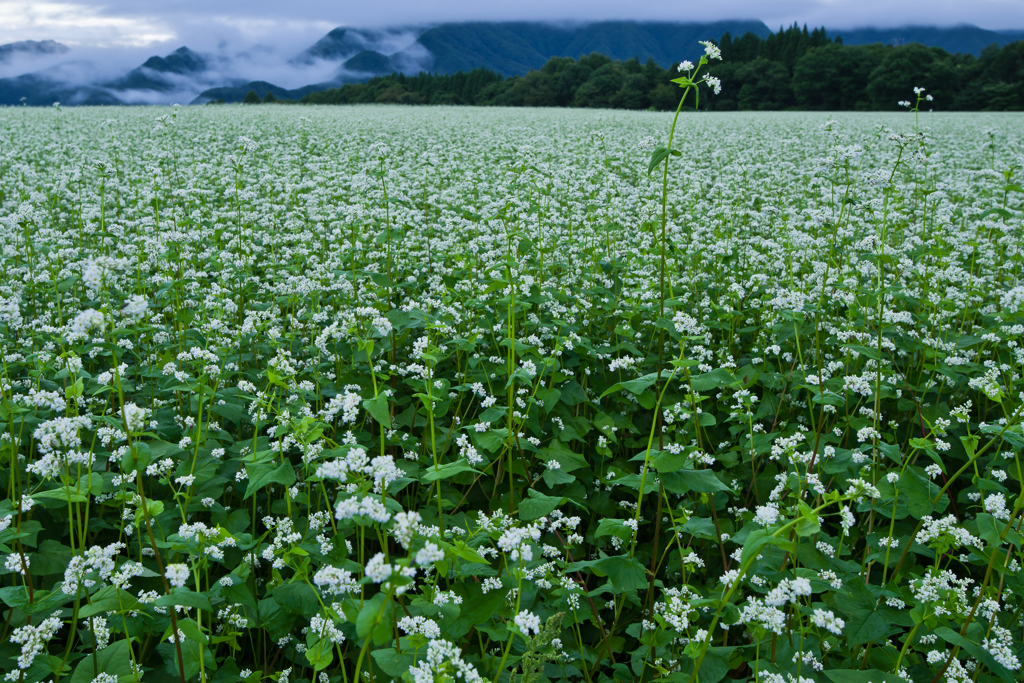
{"type": "Point", "coordinates": [237, 93]}
{"type": "Point", "coordinates": [371, 62]}
{"type": "Point", "coordinates": [338, 45]}
{"type": "Point", "coordinates": [31, 48]}
{"type": "Point", "coordinates": [162, 74]}
{"type": "Point", "coordinates": [70, 82]}
{"type": "Point", "coordinates": [509, 48]}
{"type": "Point", "coordinates": [966, 38]}
{"type": "Point", "coordinates": [58, 83]}
{"type": "Point", "coordinates": [515, 48]}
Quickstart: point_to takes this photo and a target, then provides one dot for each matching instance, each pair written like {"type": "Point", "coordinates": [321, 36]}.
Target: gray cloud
{"type": "Point", "coordinates": [203, 24]}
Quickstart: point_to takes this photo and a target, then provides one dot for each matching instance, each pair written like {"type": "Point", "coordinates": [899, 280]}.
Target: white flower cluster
{"type": "Point", "coordinates": [335, 581]}
{"type": "Point", "coordinates": [427, 628]}
{"type": "Point", "coordinates": [788, 590]}
{"type": "Point", "coordinates": [443, 662]}
{"type": "Point", "coordinates": [827, 620]}
{"type": "Point", "coordinates": [33, 640]}
{"type": "Point", "coordinates": [177, 574]}
{"type": "Point", "coordinates": [528, 623]}
{"type": "Point", "coordinates": [365, 506]}
{"type": "Point", "coordinates": [516, 542]}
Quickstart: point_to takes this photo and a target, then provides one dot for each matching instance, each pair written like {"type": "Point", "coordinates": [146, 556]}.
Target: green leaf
{"type": "Point", "coordinates": [373, 613]}
{"type": "Point", "coordinates": [566, 458]}
{"type": "Point", "coordinates": [537, 505]}
{"type": "Point", "coordinates": [866, 628]}
{"type": "Point", "coordinates": [190, 651]}
{"type": "Point", "coordinates": [192, 631]}
{"type": "Point", "coordinates": [53, 558]}
{"type": "Point", "coordinates": [867, 351]}
{"type": "Point", "coordinates": [701, 481]}
{"type": "Point", "coordinates": [14, 596]}
{"type": "Point", "coordinates": [392, 663]}
{"type": "Point", "coordinates": [701, 527]}
{"type": "Point", "coordinates": [138, 460]}
{"type": "Point", "coordinates": [185, 598]}
{"type": "Point", "coordinates": [555, 478]}
{"type": "Point", "coordinates": [916, 493]}
{"type": "Point", "coordinates": [1002, 213]}
{"type": "Point", "coordinates": [715, 665]}
{"type": "Point", "coordinates": [460, 549]}
{"type": "Point", "coordinates": [378, 408]}
{"type": "Point", "coordinates": [865, 624]}
{"type": "Point", "coordinates": [614, 527]}
{"type": "Point", "coordinates": [624, 573]}
{"type": "Point", "coordinates": [446, 471]}
{"type": "Point", "coordinates": [861, 676]}
{"type": "Point", "coordinates": [715, 379]}
{"type": "Point", "coordinates": [758, 539]}
{"type": "Point", "coordinates": [807, 524]}
{"type": "Point", "coordinates": [109, 599]}
{"type": "Point", "coordinates": [657, 156]}
{"type": "Point", "coordinates": [265, 473]}
{"type": "Point", "coordinates": [232, 412]}
{"type": "Point", "coordinates": [79, 493]}
{"type": "Point", "coordinates": [320, 653]}
{"type": "Point", "coordinates": [665, 461]}
{"type": "Point", "coordinates": [114, 659]}
{"type": "Point", "coordinates": [296, 597]}
{"type": "Point", "coordinates": [989, 529]}
{"type": "Point", "coordinates": [633, 386]}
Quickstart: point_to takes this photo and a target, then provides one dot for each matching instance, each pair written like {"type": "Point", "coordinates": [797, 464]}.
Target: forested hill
{"type": "Point", "coordinates": [515, 48]}
{"type": "Point", "coordinates": [791, 69]}
{"type": "Point", "coordinates": [965, 38]}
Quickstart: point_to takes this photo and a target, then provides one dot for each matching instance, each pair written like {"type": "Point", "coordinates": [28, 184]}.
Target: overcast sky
{"type": "Point", "coordinates": [203, 24]}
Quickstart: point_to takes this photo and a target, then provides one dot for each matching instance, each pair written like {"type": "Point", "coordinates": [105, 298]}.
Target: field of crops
{"type": "Point", "coordinates": [371, 394]}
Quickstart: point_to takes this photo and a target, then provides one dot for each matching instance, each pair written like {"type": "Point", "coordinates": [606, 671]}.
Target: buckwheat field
{"type": "Point", "coordinates": [371, 394]}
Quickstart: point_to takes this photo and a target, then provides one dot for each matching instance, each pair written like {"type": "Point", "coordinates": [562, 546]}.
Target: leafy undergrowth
{"type": "Point", "coordinates": [387, 394]}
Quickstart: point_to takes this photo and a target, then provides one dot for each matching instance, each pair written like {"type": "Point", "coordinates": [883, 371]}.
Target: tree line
{"type": "Point", "coordinates": [791, 69]}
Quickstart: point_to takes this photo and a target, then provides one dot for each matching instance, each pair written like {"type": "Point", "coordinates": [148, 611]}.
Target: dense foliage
{"type": "Point", "coordinates": [372, 394]}
{"type": "Point", "coordinates": [789, 69]}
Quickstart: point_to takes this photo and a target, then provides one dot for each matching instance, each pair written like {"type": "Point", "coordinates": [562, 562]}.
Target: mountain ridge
{"type": "Point", "coordinates": [508, 48]}
{"type": "Point", "coordinates": [31, 47]}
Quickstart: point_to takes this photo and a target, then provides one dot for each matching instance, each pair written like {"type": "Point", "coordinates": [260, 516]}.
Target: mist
{"type": "Point", "coordinates": [231, 59]}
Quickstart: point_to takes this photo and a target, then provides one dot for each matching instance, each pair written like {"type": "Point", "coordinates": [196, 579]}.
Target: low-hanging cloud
{"type": "Point", "coordinates": [107, 74]}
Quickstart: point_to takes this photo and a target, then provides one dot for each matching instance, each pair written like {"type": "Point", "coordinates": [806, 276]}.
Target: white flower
{"type": "Point", "coordinates": [33, 640]}
{"type": "Point", "coordinates": [135, 307]}
{"type": "Point", "coordinates": [443, 662]}
{"type": "Point", "coordinates": [422, 625]}
{"type": "Point", "coordinates": [711, 50]}
{"type": "Point", "coordinates": [335, 581]}
{"type": "Point", "coordinates": [177, 574]}
{"type": "Point", "coordinates": [14, 563]}
{"type": "Point", "coordinates": [528, 623]}
{"type": "Point", "coordinates": [767, 515]}
{"type": "Point", "coordinates": [429, 554]}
